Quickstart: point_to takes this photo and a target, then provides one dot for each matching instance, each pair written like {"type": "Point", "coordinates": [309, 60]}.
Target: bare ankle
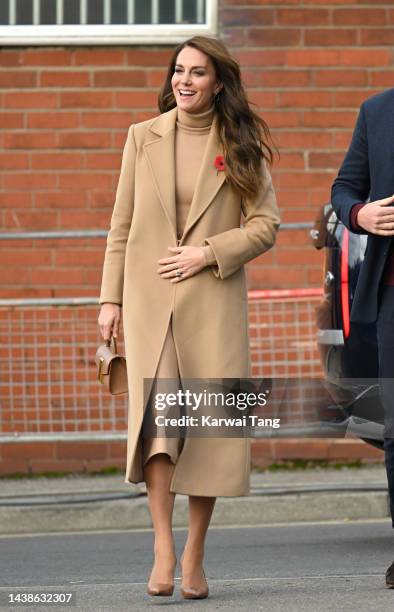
{"type": "Point", "coordinates": [193, 553]}
{"type": "Point", "coordinates": [164, 549]}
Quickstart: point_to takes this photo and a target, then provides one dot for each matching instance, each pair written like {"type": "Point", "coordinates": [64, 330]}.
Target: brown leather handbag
{"type": "Point", "coordinates": [112, 372]}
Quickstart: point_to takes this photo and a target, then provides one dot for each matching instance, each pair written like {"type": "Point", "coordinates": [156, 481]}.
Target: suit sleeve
{"type": "Point", "coordinates": [353, 217]}
{"type": "Point", "coordinates": [234, 247]}
{"type": "Point", "coordinates": [352, 185]}
{"type": "Point", "coordinates": [114, 259]}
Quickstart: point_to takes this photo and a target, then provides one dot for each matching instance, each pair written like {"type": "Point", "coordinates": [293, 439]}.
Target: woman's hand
{"type": "Point", "coordinates": [187, 259]}
{"type": "Point", "coordinates": [109, 320]}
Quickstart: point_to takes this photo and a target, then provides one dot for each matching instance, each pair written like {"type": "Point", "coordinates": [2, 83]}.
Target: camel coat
{"type": "Point", "coordinates": [209, 309]}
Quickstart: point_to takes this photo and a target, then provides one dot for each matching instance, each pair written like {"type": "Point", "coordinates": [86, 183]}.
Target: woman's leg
{"type": "Point", "coordinates": [157, 475]}
{"type": "Point", "coordinates": [200, 512]}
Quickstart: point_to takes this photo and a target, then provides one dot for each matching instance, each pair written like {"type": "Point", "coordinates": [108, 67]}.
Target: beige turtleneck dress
{"type": "Point", "coordinates": [191, 136]}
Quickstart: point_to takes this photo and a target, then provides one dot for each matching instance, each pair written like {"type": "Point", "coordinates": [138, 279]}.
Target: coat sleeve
{"type": "Point", "coordinates": [234, 247]}
{"type": "Point", "coordinates": [114, 259]}
{"type": "Point", "coordinates": [352, 184]}
{"type": "Point", "coordinates": [209, 255]}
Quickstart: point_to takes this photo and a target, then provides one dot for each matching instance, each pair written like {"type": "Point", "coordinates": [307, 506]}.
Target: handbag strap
{"type": "Point", "coordinates": [108, 343]}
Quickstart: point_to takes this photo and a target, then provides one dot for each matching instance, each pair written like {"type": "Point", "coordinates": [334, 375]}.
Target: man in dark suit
{"type": "Point", "coordinates": [367, 172]}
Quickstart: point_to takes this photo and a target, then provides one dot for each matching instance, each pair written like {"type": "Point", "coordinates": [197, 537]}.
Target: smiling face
{"type": "Point", "coordinates": [194, 81]}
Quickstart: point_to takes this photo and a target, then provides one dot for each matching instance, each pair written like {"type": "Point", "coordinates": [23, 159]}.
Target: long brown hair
{"type": "Point", "coordinates": [243, 134]}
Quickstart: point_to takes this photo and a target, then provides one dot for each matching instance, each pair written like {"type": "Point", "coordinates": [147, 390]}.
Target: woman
{"type": "Point", "coordinates": [175, 263]}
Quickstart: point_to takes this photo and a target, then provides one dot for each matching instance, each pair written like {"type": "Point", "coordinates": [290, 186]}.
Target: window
{"type": "Point", "coordinates": [109, 22]}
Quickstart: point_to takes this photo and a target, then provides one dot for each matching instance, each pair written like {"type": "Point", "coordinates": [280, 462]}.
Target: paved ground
{"type": "Point", "coordinates": [107, 502]}
{"type": "Point", "coordinates": [309, 567]}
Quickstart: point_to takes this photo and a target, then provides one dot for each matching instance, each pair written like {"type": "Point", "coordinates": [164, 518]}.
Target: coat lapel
{"type": "Point", "coordinates": [161, 157]}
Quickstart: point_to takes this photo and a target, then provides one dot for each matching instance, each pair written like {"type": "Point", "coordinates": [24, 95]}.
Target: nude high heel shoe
{"type": "Point", "coordinates": [191, 592]}
{"type": "Point", "coordinates": [161, 589]}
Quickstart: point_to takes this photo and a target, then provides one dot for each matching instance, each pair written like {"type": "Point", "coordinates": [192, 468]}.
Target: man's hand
{"type": "Point", "coordinates": [109, 319]}
{"type": "Point", "coordinates": [377, 217]}
{"type": "Point", "coordinates": [187, 259]}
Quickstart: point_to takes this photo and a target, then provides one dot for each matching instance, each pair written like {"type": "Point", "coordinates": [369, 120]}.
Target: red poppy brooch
{"type": "Point", "coordinates": [219, 163]}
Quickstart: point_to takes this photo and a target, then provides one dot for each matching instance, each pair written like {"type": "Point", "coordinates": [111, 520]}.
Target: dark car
{"type": "Point", "coordinates": [348, 350]}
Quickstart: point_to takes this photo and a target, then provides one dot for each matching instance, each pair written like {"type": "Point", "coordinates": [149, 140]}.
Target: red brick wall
{"type": "Point", "coordinates": [63, 127]}
{"type": "Point", "coordinates": [86, 457]}
{"type": "Point", "coordinates": [307, 65]}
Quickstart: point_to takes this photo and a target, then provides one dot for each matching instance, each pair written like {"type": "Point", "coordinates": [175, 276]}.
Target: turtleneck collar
{"type": "Point", "coordinates": [195, 120]}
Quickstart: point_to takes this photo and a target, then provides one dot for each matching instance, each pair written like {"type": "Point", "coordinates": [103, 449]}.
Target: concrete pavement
{"type": "Point", "coordinates": [86, 503]}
